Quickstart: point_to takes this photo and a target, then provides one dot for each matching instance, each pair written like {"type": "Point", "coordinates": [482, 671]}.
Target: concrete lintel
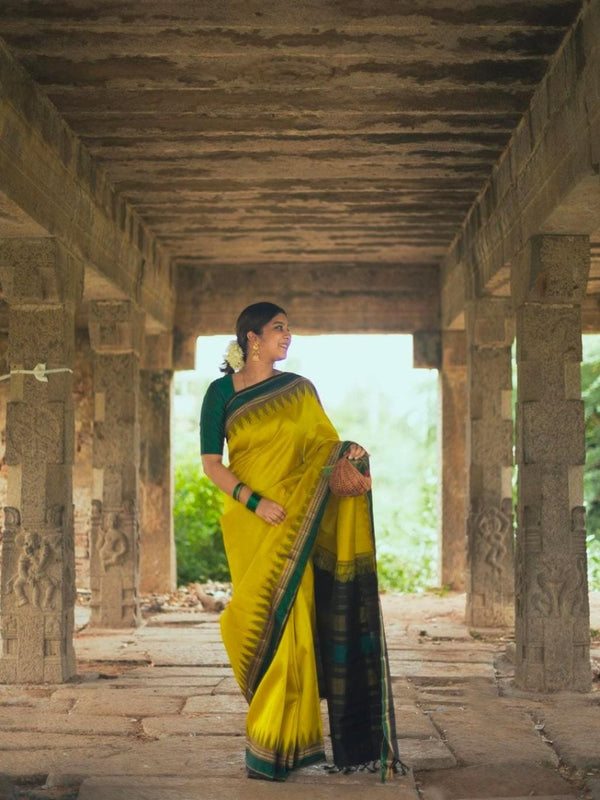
{"type": "Point", "coordinates": [49, 174]}
{"type": "Point", "coordinates": [547, 178]}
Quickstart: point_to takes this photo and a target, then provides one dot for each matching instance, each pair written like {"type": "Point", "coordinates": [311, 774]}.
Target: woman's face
{"type": "Point", "coordinates": [275, 339]}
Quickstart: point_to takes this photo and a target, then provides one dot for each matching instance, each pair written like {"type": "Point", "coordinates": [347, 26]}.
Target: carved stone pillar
{"type": "Point", "coordinates": [116, 332]}
{"type": "Point", "coordinates": [157, 543]}
{"type": "Point", "coordinates": [4, 398]}
{"type": "Point", "coordinates": [42, 284]}
{"type": "Point", "coordinates": [453, 395]}
{"type": "Point", "coordinates": [83, 394]}
{"type": "Point", "coordinates": [552, 625]}
{"type": "Point", "coordinates": [490, 580]}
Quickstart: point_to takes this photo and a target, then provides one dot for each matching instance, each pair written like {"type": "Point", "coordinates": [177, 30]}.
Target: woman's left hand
{"type": "Point", "coordinates": [356, 451]}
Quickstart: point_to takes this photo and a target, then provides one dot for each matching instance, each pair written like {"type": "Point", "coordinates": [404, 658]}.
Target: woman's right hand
{"type": "Point", "coordinates": [270, 511]}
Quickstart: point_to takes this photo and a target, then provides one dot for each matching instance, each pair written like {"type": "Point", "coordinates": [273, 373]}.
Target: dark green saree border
{"type": "Point", "coordinates": [304, 549]}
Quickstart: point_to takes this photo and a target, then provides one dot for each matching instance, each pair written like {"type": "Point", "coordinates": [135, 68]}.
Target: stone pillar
{"type": "Point", "coordinates": [83, 394]}
{"type": "Point", "coordinates": [490, 579]}
{"type": "Point", "coordinates": [42, 284]}
{"type": "Point", "coordinates": [453, 434]}
{"type": "Point", "coordinates": [116, 334]}
{"type": "Point", "coordinates": [158, 573]}
{"type": "Point", "coordinates": [4, 397]}
{"type": "Point", "coordinates": [552, 625]}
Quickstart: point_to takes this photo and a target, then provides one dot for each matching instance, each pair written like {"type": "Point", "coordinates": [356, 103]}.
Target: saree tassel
{"type": "Point", "coordinates": [392, 768]}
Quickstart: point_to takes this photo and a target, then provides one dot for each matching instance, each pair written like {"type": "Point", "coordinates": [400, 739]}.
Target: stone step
{"type": "Point", "coordinates": [324, 787]}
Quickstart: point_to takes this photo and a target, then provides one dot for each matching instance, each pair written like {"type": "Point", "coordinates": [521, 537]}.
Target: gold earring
{"type": "Point", "coordinates": [255, 352]}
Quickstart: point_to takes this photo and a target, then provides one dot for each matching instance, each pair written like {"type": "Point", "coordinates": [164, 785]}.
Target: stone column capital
{"type": "Point", "coordinates": [158, 351]}
{"type": "Point", "coordinates": [39, 271]}
{"type": "Point", "coordinates": [490, 322]}
{"type": "Point", "coordinates": [551, 268]}
{"type": "Point", "coordinates": [454, 350]}
{"type": "Point", "coordinates": [116, 326]}
{"type": "Point", "coordinates": [427, 349]}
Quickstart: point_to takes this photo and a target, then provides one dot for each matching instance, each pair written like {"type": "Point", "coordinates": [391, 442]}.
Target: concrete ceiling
{"type": "Point", "coordinates": [282, 132]}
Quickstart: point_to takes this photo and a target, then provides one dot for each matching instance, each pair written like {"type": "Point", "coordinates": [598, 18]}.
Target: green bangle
{"type": "Point", "coordinates": [253, 501]}
{"type": "Point", "coordinates": [237, 489]}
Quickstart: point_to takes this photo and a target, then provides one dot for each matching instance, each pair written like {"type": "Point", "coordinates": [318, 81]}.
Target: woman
{"type": "Point", "coordinates": [304, 619]}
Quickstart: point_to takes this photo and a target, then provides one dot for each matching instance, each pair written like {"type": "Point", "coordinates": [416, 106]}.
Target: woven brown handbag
{"type": "Point", "coordinates": [349, 480]}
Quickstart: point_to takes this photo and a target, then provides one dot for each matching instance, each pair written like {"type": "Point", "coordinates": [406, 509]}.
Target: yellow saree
{"type": "Point", "coordinates": [304, 620]}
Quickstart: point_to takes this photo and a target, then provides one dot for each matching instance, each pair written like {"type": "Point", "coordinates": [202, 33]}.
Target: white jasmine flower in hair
{"type": "Point", "coordinates": [234, 356]}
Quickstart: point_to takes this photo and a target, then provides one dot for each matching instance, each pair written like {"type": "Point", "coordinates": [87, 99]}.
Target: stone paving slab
{"type": "Point", "coordinates": [196, 634]}
{"type": "Point", "coordinates": [150, 672]}
{"type": "Point", "coordinates": [228, 686]}
{"type": "Point", "coordinates": [441, 631]}
{"type": "Point", "coordinates": [200, 682]}
{"type": "Point", "coordinates": [30, 696]}
{"type": "Point", "coordinates": [426, 754]}
{"type": "Point", "coordinates": [129, 702]}
{"type": "Point", "coordinates": [36, 740]}
{"type": "Point", "coordinates": [412, 723]}
{"type": "Point", "coordinates": [405, 692]}
{"type": "Point", "coordinates": [443, 653]}
{"type": "Point", "coordinates": [215, 704]}
{"type": "Point", "coordinates": [14, 719]}
{"type": "Point", "coordinates": [109, 648]}
{"type": "Point", "coordinates": [229, 724]}
{"type": "Point", "coordinates": [207, 789]}
{"type": "Point", "coordinates": [174, 756]}
{"type": "Point", "coordinates": [192, 617]}
{"type": "Point", "coordinates": [420, 670]}
{"type": "Point", "coordinates": [492, 781]}
{"type": "Point", "coordinates": [573, 727]}
{"type": "Point", "coordinates": [486, 735]}
{"type": "Point", "coordinates": [165, 655]}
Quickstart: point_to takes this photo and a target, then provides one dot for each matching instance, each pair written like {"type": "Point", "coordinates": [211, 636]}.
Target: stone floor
{"type": "Point", "coordinates": [155, 715]}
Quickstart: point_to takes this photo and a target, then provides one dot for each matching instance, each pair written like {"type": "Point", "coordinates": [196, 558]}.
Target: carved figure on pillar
{"type": "Point", "coordinates": [112, 541]}
{"type": "Point", "coordinates": [33, 572]}
{"type": "Point", "coordinates": [37, 602]}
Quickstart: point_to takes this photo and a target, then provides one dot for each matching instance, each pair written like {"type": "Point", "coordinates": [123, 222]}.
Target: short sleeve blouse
{"type": "Point", "coordinates": [212, 415]}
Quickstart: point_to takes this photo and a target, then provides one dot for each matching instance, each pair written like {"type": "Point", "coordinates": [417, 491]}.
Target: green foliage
{"type": "Point", "coordinates": [590, 392]}
{"type": "Point", "coordinates": [590, 381]}
{"type": "Point", "coordinates": [198, 506]}
{"type": "Point", "coordinates": [593, 555]}
{"type": "Point", "coordinates": [412, 570]}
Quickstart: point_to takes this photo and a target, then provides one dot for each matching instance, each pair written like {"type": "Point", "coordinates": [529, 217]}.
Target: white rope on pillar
{"type": "Point", "coordinates": [39, 372]}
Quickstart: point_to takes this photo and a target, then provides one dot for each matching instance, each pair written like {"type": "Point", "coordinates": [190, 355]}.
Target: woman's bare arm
{"type": "Point", "coordinates": [224, 478]}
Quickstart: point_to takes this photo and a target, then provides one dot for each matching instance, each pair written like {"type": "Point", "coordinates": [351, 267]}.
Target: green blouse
{"type": "Point", "coordinates": [212, 415]}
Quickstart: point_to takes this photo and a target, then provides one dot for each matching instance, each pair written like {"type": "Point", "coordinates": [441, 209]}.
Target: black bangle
{"type": "Point", "coordinates": [253, 501]}
{"type": "Point", "coordinates": [237, 489]}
